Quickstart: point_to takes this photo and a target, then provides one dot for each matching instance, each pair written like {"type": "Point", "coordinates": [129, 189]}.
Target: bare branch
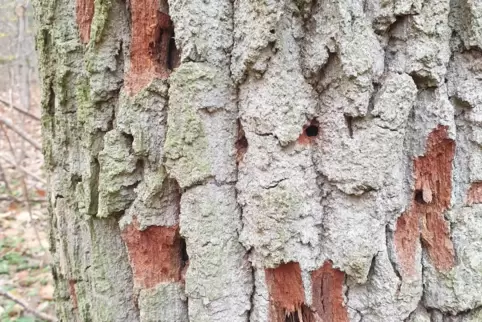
{"type": "Point", "coordinates": [24, 304]}
{"type": "Point", "coordinates": [20, 132]}
{"type": "Point", "coordinates": [20, 110]}
{"type": "Point", "coordinates": [5, 180]}
{"type": "Point", "coordinates": [33, 175]}
{"type": "Point", "coordinates": [12, 198]}
{"type": "Point", "coordinates": [24, 187]}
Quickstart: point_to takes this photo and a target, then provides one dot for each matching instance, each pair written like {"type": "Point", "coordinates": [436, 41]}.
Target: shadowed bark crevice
{"type": "Point", "coordinates": [241, 143]}
{"type": "Point", "coordinates": [391, 256]}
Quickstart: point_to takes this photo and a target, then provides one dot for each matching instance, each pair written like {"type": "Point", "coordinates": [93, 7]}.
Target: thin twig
{"type": "Point", "coordinates": [20, 110]}
{"type": "Point", "coordinates": [29, 208]}
{"type": "Point", "coordinates": [4, 179]}
{"type": "Point", "coordinates": [23, 70]}
{"type": "Point", "coordinates": [33, 175]}
{"type": "Point", "coordinates": [12, 198]}
{"type": "Point", "coordinates": [20, 132]}
{"type": "Point", "coordinates": [25, 190]}
{"type": "Point", "coordinates": [27, 308]}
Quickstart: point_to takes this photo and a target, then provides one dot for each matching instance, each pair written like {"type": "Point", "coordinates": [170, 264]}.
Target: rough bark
{"type": "Point", "coordinates": [295, 160]}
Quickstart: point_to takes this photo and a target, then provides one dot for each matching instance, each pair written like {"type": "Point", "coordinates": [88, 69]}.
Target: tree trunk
{"type": "Point", "coordinates": [247, 160]}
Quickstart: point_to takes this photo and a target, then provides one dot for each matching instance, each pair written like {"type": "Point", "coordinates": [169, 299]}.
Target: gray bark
{"type": "Point", "coordinates": [295, 160]}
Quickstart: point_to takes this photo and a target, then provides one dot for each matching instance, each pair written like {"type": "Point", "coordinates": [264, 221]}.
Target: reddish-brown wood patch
{"type": "Point", "coordinates": [287, 299]}
{"type": "Point", "coordinates": [73, 294]}
{"type": "Point", "coordinates": [84, 11]}
{"type": "Point", "coordinates": [154, 254]}
{"type": "Point", "coordinates": [327, 292]}
{"type": "Point", "coordinates": [433, 187]}
{"type": "Point", "coordinates": [285, 289]}
{"type": "Point", "coordinates": [153, 52]}
{"type": "Point", "coordinates": [406, 237]}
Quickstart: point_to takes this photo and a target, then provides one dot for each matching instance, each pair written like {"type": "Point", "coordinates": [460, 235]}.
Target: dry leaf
{"type": "Point", "coordinates": [40, 192]}
{"type": "Point", "coordinates": [43, 306]}
{"type": "Point", "coordinates": [12, 206]}
{"type": "Point", "coordinates": [21, 275]}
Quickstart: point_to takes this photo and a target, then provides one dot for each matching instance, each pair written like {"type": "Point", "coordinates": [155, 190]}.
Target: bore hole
{"type": "Point", "coordinates": [311, 131]}
{"type": "Point", "coordinates": [419, 196]}
{"type": "Point", "coordinates": [272, 31]}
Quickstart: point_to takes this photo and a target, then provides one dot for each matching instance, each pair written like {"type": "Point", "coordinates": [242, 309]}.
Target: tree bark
{"type": "Point", "coordinates": [298, 160]}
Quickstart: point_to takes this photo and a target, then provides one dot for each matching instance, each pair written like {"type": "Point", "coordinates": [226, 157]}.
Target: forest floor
{"type": "Point", "coordinates": [25, 272]}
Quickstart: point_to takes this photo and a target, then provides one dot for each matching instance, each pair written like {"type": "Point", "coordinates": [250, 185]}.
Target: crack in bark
{"type": "Point", "coordinates": [391, 256]}
{"type": "Point", "coordinates": [274, 184]}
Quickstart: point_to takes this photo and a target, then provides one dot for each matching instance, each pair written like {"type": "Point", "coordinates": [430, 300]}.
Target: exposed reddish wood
{"type": "Point", "coordinates": [285, 290]}
{"type": "Point", "coordinates": [84, 10]}
{"type": "Point", "coordinates": [436, 238]}
{"type": "Point", "coordinates": [406, 238]}
{"type": "Point", "coordinates": [303, 139]}
{"type": "Point", "coordinates": [308, 315]}
{"type": "Point", "coordinates": [433, 187]}
{"type": "Point", "coordinates": [327, 293]}
{"type": "Point", "coordinates": [152, 52]}
{"type": "Point", "coordinates": [474, 195]}
{"type": "Point", "coordinates": [73, 294]}
{"type": "Point", "coordinates": [154, 253]}
{"type": "Point", "coordinates": [433, 172]}
{"type": "Point", "coordinates": [303, 314]}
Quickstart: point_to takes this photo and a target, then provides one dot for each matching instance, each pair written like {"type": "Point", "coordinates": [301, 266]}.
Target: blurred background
{"type": "Point", "coordinates": [25, 280]}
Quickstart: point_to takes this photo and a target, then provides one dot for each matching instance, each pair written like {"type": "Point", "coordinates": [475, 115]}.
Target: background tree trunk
{"type": "Point", "coordinates": [248, 160]}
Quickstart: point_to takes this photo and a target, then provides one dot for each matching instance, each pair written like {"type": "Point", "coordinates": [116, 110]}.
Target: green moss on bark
{"type": "Point", "coordinates": [186, 146]}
